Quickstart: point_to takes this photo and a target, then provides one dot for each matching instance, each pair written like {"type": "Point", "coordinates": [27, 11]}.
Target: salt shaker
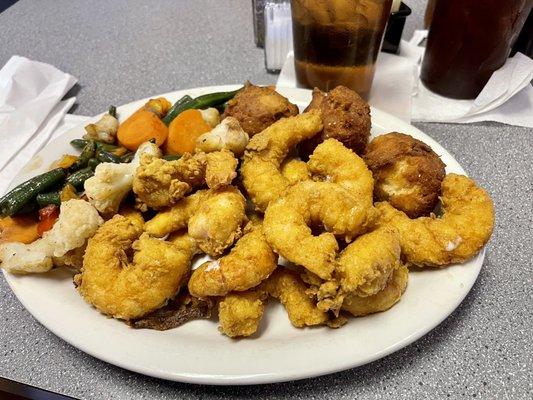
{"type": "Point", "coordinates": [278, 33]}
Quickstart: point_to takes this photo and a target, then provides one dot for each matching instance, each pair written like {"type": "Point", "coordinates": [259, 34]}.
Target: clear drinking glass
{"type": "Point", "coordinates": [336, 42]}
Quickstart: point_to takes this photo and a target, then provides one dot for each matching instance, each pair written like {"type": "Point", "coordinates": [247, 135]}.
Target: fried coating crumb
{"type": "Point", "coordinates": [240, 314]}
{"type": "Point", "coordinates": [346, 117]}
{"type": "Point", "coordinates": [290, 290]}
{"type": "Point", "coordinates": [407, 173]}
{"type": "Point", "coordinates": [256, 108]}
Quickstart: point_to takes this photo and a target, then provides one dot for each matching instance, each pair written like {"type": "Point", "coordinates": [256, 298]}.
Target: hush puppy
{"type": "Point", "coordinates": [407, 173]}
{"type": "Point", "coordinates": [257, 107]}
{"type": "Point", "coordinates": [346, 117]}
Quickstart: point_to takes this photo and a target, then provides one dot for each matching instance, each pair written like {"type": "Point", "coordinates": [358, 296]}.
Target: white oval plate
{"type": "Point", "coordinates": [198, 353]}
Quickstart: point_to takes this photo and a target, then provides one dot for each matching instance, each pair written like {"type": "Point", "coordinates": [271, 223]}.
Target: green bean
{"type": "Point", "coordinates": [200, 102]}
{"type": "Point", "coordinates": [43, 199]}
{"type": "Point", "coordinates": [105, 156]}
{"type": "Point", "coordinates": [86, 154]}
{"type": "Point", "coordinates": [78, 178]}
{"type": "Point", "coordinates": [24, 194]}
{"type": "Point", "coordinates": [172, 157]}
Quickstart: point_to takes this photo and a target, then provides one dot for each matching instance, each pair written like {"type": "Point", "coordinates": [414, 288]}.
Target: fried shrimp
{"type": "Point", "coordinates": [295, 171]}
{"type": "Point", "coordinates": [364, 268]}
{"type": "Point", "coordinates": [382, 300]}
{"type": "Point", "coordinates": [240, 313]}
{"type": "Point", "coordinates": [266, 151]}
{"type": "Point", "coordinates": [125, 287]}
{"type": "Point", "coordinates": [214, 218]}
{"type": "Point", "coordinates": [159, 183]}
{"type": "Point", "coordinates": [341, 204]}
{"type": "Point", "coordinates": [459, 234]}
{"type": "Point", "coordinates": [218, 221]}
{"type": "Point", "coordinates": [249, 262]}
{"type": "Point", "coordinates": [290, 290]}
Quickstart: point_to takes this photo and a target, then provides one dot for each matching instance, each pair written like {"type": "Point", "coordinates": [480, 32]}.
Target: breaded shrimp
{"type": "Point", "coordinates": [333, 162]}
{"type": "Point", "coordinates": [464, 228]}
{"type": "Point", "coordinates": [342, 205]}
{"type": "Point", "coordinates": [220, 169]}
{"type": "Point", "coordinates": [177, 216]}
{"type": "Point", "coordinates": [266, 151]}
{"type": "Point", "coordinates": [382, 300]}
{"type": "Point", "coordinates": [159, 183]}
{"type": "Point", "coordinates": [249, 262]}
{"type": "Point", "coordinates": [364, 268]}
{"type": "Point", "coordinates": [214, 218]}
{"type": "Point", "coordinates": [218, 221]}
{"type": "Point", "coordinates": [290, 290]}
{"type": "Point", "coordinates": [240, 313]}
{"type": "Point", "coordinates": [125, 287]}
{"type": "Point", "coordinates": [295, 171]}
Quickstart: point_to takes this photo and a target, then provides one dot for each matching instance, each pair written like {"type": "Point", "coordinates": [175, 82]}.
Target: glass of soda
{"type": "Point", "coordinates": [336, 42]}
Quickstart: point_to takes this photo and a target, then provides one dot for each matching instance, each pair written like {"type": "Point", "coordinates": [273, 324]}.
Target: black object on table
{"type": "Point", "coordinates": [393, 33]}
{"type": "Point", "coordinates": [17, 391]}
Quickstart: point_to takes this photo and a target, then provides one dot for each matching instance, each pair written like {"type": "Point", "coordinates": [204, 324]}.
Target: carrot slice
{"type": "Point", "coordinates": [183, 132]}
{"type": "Point", "coordinates": [22, 228]}
{"type": "Point", "coordinates": [140, 127]}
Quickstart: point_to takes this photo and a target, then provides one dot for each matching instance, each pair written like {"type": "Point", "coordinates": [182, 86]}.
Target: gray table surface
{"type": "Point", "coordinates": [122, 51]}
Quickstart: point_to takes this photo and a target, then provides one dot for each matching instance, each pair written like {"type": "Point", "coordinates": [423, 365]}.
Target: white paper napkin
{"type": "Point", "coordinates": [29, 91]}
{"type": "Point", "coordinates": [57, 123]}
{"type": "Point", "coordinates": [507, 97]}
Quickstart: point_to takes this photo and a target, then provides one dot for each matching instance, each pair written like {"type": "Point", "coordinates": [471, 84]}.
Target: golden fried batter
{"type": "Point", "coordinates": [214, 218]}
{"type": "Point", "coordinates": [256, 108]}
{"type": "Point", "coordinates": [341, 204]}
{"type": "Point", "coordinates": [290, 290]}
{"type": "Point", "coordinates": [159, 183]}
{"type": "Point", "coordinates": [346, 117]}
{"type": "Point", "coordinates": [382, 300]}
{"type": "Point", "coordinates": [128, 288]}
{"type": "Point", "coordinates": [408, 173]}
{"type": "Point", "coordinates": [260, 170]}
{"type": "Point", "coordinates": [295, 170]}
{"type": "Point", "coordinates": [363, 268]}
{"type": "Point", "coordinates": [249, 262]}
{"type": "Point", "coordinates": [220, 169]}
{"type": "Point", "coordinates": [464, 228]}
{"type": "Point", "coordinates": [240, 314]}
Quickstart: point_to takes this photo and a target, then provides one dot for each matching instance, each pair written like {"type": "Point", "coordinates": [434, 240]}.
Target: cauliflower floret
{"type": "Point", "coordinates": [20, 258]}
{"type": "Point", "coordinates": [78, 221]}
{"type": "Point", "coordinates": [211, 116]}
{"type": "Point", "coordinates": [227, 135]}
{"type": "Point", "coordinates": [112, 182]}
{"type": "Point", "coordinates": [105, 130]}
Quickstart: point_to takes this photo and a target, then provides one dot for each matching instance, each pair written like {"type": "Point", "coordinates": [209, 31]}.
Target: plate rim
{"type": "Point", "coordinates": [272, 377]}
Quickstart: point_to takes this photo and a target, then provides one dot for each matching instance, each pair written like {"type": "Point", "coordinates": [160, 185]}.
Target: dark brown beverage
{"type": "Point", "coordinates": [468, 40]}
{"type": "Point", "coordinates": [337, 42]}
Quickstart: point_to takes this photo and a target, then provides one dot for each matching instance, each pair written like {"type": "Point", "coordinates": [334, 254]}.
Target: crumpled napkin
{"type": "Point", "coordinates": [507, 97]}
{"type": "Point", "coordinates": [396, 89]}
{"type": "Point", "coordinates": [30, 110]}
